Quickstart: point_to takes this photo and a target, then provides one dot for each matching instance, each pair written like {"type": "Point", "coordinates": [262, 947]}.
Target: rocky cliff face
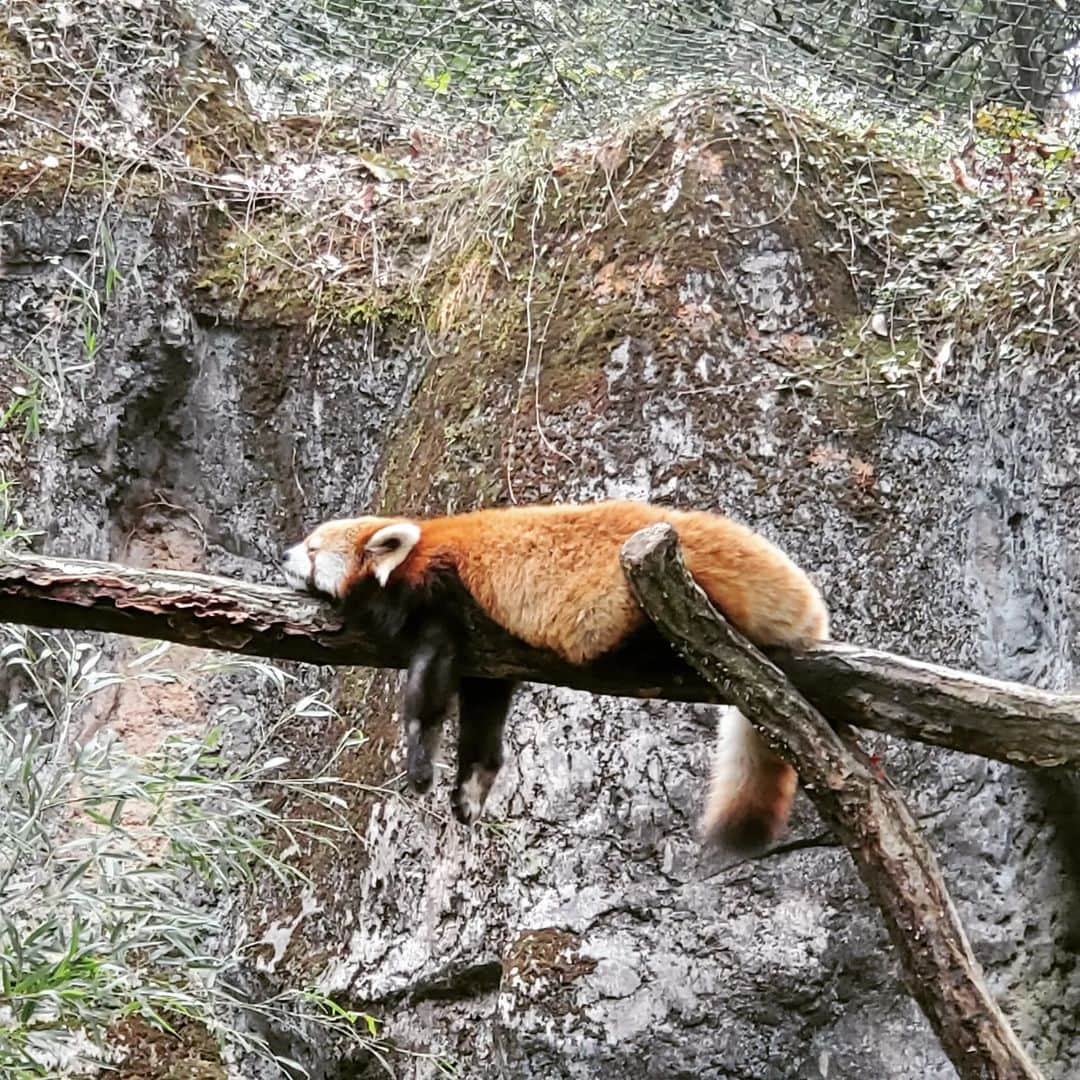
{"type": "Point", "coordinates": [671, 318]}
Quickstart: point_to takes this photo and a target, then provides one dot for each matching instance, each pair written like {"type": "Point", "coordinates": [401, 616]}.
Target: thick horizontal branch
{"type": "Point", "coordinates": [863, 808]}
{"type": "Point", "coordinates": [863, 687]}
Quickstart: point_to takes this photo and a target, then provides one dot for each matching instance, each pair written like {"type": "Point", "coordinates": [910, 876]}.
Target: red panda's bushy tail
{"type": "Point", "coordinates": [751, 790]}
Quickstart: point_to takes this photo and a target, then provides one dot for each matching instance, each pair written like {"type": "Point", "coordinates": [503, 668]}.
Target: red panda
{"type": "Point", "coordinates": [551, 576]}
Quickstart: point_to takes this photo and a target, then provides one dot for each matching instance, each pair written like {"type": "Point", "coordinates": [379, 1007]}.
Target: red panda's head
{"type": "Point", "coordinates": [339, 555]}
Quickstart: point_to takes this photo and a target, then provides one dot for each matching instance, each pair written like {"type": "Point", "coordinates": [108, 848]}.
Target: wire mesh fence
{"type": "Point", "coordinates": [506, 62]}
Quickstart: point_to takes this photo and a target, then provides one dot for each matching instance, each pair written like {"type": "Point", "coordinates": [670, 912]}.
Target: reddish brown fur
{"type": "Point", "coordinates": [751, 791]}
{"type": "Point", "coordinates": [551, 576]}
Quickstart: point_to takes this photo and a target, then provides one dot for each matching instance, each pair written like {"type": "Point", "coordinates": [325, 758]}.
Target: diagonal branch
{"type": "Point", "coordinates": [852, 685]}
{"type": "Point", "coordinates": [858, 802]}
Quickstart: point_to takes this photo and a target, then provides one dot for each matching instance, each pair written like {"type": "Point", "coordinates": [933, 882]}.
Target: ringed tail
{"type": "Point", "coordinates": [751, 789]}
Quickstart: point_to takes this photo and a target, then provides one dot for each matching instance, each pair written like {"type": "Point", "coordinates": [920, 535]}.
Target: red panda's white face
{"type": "Point", "coordinates": [340, 554]}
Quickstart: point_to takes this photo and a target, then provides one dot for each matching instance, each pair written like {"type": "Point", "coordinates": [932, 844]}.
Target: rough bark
{"type": "Point", "coordinates": [857, 800]}
{"type": "Point", "coordinates": [864, 687]}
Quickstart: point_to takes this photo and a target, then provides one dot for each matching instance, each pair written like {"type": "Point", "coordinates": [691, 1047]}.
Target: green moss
{"type": "Point", "coordinates": [195, 112]}
{"type": "Point", "coordinates": [276, 268]}
{"type": "Point", "coordinates": [41, 169]}
{"type": "Point", "coordinates": [589, 259]}
{"type": "Point", "coordinates": [855, 356]}
{"type": "Point", "coordinates": [216, 132]}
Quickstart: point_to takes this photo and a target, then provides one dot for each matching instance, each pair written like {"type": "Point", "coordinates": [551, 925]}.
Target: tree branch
{"type": "Point", "coordinates": [852, 685]}
{"type": "Point", "coordinates": [857, 801]}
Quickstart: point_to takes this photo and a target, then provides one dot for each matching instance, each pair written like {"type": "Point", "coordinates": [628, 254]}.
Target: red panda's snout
{"type": "Point", "coordinates": [314, 569]}
{"type": "Point", "coordinates": [296, 567]}
{"type": "Point", "coordinates": [338, 554]}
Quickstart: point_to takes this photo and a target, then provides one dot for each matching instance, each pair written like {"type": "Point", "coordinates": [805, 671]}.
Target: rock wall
{"type": "Point", "coordinates": [648, 333]}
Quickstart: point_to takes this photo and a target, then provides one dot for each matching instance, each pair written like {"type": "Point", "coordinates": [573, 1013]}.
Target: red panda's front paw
{"type": "Point", "coordinates": [466, 811]}
{"type": "Point", "coordinates": [420, 771]}
{"type": "Point", "coordinates": [470, 795]}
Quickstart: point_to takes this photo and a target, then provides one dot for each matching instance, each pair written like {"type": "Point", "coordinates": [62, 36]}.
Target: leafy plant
{"type": "Point", "coordinates": [117, 871]}
{"type": "Point", "coordinates": [24, 405]}
{"type": "Point", "coordinates": [12, 528]}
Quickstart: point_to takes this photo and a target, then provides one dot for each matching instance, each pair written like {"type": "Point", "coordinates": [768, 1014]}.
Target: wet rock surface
{"type": "Point", "coordinates": [580, 931]}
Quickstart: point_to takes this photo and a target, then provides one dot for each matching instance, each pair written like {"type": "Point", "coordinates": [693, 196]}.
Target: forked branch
{"type": "Point", "coordinates": [858, 686]}
{"type": "Point", "coordinates": [855, 798]}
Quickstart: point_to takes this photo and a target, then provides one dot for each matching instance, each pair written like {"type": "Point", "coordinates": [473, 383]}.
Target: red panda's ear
{"type": "Point", "coordinates": [390, 547]}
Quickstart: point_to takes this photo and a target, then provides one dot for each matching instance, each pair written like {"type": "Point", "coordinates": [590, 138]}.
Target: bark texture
{"type": "Point", "coordinates": [861, 805]}
{"type": "Point", "coordinates": [865, 687]}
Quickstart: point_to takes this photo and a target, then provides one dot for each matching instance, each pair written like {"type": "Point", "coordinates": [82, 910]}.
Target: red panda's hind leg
{"type": "Point", "coordinates": [483, 705]}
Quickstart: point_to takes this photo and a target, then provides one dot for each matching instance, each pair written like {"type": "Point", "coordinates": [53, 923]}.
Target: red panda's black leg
{"type": "Point", "coordinates": [482, 708]}
{"type": "Point", "coordinates": [429, 691]}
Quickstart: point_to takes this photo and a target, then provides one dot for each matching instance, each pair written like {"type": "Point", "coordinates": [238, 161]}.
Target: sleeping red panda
{"type": "Point", "coordinates": [551, 576]}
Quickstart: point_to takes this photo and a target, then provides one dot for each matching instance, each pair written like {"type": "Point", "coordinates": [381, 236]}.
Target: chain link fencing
{"type": "Point", "coordinates": [510, 63]}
